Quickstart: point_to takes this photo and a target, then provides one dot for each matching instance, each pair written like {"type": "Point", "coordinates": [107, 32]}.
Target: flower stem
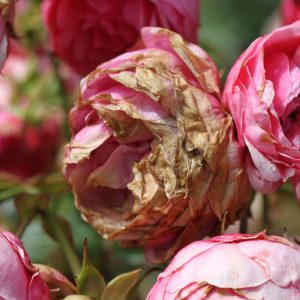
{"type": "Point", "coordinates": [67, 249]}
{"type": "Point", "coordinates": [244, 225]}
{"type": "Point", "coordinates": [24, 224]}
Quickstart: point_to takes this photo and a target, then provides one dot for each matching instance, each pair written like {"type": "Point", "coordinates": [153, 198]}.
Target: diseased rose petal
{"type": "Point", "coordinates": [87, 140]}
{"type": "Point", "coordinates": [150, 179]}
{"type": "Point", "coordinates": [237, 266]}
{"type": "Point", "coordinates": [116, 172]}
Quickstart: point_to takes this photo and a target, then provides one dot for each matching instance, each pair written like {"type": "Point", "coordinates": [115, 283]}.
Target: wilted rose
{"type": "Point", "coordinates": [238, 266]}
{"type": "Point", "coordinates": [19, 279]}
{"type": "Point", "coordinates": [290, 11]}
{"type": "Point", "coordinates": [88, 32]}
{"type": "Point", "coordinates": [27, 150]}
{"type": "Point", "coordinates": [152, 160]}
{"type": "Point", "coordinates": [262, 94]}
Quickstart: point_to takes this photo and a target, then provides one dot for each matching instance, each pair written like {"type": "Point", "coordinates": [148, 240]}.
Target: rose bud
{"type": "Point", "coordinates": [152, 160]}
{"type": "Point", "coordinates": [86, 33]}
{"type": "Point", "coordinates": [237, 266]}
{"type": "Point", "coordinates": [27, 150]}
{"type": "Point", "coordinates": [290, 11]}
{"type": "Point", "coordinates": [59, 286]}
{"type": "Point", "coordinates": [262, 94]}
{"type": "Point", "coordinates": [19, 279]}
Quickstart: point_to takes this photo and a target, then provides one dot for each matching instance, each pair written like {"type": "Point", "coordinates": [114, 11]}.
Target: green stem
{"type": "Point", "coordinates": [63, 94]}
{"type": "Point", "coordinates": [244, 225]}
{"type": "Point", "coordinates": [266, 211]}
{"type": "Point", "coordinates": [64, 243]}
{"type": "Point", "coordinates": [223, 224]}
{"type": "Point", "coordinates": [23, 225]}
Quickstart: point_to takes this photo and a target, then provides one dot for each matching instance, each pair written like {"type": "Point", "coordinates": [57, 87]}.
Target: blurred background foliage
{"type": "Point", "coordinates": [227, 28]}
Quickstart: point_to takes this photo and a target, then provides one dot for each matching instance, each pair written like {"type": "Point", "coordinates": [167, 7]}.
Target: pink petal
{"type": "Point", "coordinates": [259, 183]}
{"type": "Point", "coordinates": [270, 291]}
{"type": "Point", "coordinates": [85, 141]}
{"type": "Point", "coordinates": [116, 172]}
{"type": "Point", "coordinates": [236, 271]}
{"type": "Point", "coordinates": [286, 269]}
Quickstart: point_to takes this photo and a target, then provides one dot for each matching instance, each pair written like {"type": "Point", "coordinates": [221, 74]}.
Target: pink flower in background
{"type": "Point", "coordinates": [152, 161]}
{"type": "Point", "coordinates": [237, 266]}
{"type": "Point", "coordinates": [262, 94]}
{"type": "Point", "coordinates": [27, 150]}
{"type": "Point", "coordinates": [29, 141]}
{"type": "Point", "coordinates": [15, 70]}
{"type": "Point", "coordinates": [290, 11]}
{"type": "Point", "coordinates": [19, 279]}
{"type": "Point", "coordinates": [88, 32]}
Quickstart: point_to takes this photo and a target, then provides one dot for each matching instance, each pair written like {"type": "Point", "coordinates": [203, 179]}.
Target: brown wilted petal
{"type": "Point", "coordinates": [168, 168]}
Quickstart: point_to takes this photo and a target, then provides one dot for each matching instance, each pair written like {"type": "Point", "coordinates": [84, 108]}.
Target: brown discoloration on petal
{"type": "Point", "coordinates": [193, 172]}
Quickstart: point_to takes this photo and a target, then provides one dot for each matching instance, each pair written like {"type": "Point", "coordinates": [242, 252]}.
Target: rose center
{"type": "Point", "coordinates": [290, 122]}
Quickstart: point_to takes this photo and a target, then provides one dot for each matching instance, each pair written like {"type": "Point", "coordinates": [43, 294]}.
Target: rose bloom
{"type": "Point", "coordinates": [86, 33]}
{"type": "Point", "coordinates": [152, 160]}
{"type": "Point", "coordinates": [19, 279]}
{"type": "Point", "coordinates": [14, 72]}
{"type": "Point", "coordinates": [290, 11]}
{"type": "Point", "coordinates": [27, 150]}
{"type": "Point", "coordinates": [262, 94]}
{"type": "Point", "coordinates": [237, 266]}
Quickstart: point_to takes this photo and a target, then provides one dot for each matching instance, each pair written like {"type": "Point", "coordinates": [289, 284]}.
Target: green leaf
{"type": "Point", "coordinates": [90, 282]}
{"type": "Point", "coordinates": [123, 286]}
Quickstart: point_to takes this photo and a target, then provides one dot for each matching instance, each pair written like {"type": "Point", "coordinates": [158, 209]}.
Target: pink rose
{"type": "Point", "coordinates": [19, 279]}
{"type": "Point", "coordinates": [27, 150]}
{"type": "Point", "coordinates": [86, 33]}
{"type": "Point", "coordinates": [262, 94]}
{"type": "Point", "coordinates": [238, 266]}
{"type": "Point", "coordinates": [15, 71]}
{"type": "Point", "coordinates": [290, 11]}
{"type": "Point", "coordinates": [152, 160]}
